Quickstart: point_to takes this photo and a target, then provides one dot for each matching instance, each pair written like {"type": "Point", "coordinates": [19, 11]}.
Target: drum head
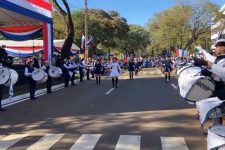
{"type": "Point", "coordinates": [38, 74]}
{"type": "Point", "coordinates": [218, 130]}
{"type": "Point", "coordinates": [189, 71]}
{"type": "Point", "coordinates": [203, 88]}
{"type": "Point", "coordinates": [13, 78]}
{"type": "Point", "coordinates": [53, 71]}
{"type": "Point", "coordinates": [4, 75]}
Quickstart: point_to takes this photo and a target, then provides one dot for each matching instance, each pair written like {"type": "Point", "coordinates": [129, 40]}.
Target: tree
{"type": "Point", "coordinates": [136, 40]}
{"type": "Point", "coordinates": [184, 25]}
{"type": "Point", "coordinates": [66, 16]}
{"type": "Point", "coordinates": [104, 27]}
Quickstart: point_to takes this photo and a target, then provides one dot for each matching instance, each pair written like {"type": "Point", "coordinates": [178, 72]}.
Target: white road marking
{"type": "Point", "coordinates": [109, 91]}
{"type": "Point", "coordinates": [86, 142]}
{"type": "Point", "coordinates": [129, 142]}
{"type": "Point", "coordinates": [45, 142]}
{"type": "Point", "coordinates": [174, 86]}
{"type": "Point", "coordinates": [10, 140]}
{"type": "Point", "coordinates": [173, 143]}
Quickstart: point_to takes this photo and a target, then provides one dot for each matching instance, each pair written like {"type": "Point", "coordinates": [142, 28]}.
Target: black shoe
{"type": "Point", "coordinates": [49, 92]}
{"type": "Point", "coordinates": [33, 98]}
{"type": "Point", "coordinates": [2, 109]}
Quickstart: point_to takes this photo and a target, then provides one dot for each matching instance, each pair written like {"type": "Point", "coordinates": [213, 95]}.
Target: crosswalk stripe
{"type": "Point", "coordinates": [173, 143]}
{"type": "Point", "coordinates": [86, 142]}
{"type": "Point", "coordinates": [46, 142]}
{"type": "Point", "coordinates": [10, 140]}
{"type": "Point", "coordinates": [128, 142]}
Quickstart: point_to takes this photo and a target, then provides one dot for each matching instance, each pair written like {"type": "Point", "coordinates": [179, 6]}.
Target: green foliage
{"type": "Point", "coordinates": [184, 25]}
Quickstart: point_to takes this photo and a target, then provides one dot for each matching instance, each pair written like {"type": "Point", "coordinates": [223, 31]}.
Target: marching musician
{"type": "Point", "coordinates": [1, 92]}
{"type": "Point", "coordinates": [72, 66]}
{"type": "Point", "coordinates": [81, 69]}
{"type": "Point", "coordinates": [131, 68]}
{"type": "Point", "coordinates": [46, 68]}
{"type": "Point", "coordinates": [89, 66]}
{"type": "Point", "coordinates": [167, 68]}
{"type": "Point", "coordinates": [32, 84]}
{"type": "Point", "coordinates": [65, 69]}
{"type": "Point", "coordinates": [216, 65]}
{"type": "Point", "coordinates": [115, 72]}
{"type": "Point", "coordinates": [98, 70]}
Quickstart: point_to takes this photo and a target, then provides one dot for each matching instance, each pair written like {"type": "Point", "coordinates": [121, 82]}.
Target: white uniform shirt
{"type": "Point", "coordinates": [219, 70]}
{"type": "Point", "coordinates": [26, 73]}
{"type": "Point", "coordinates": [115, 69]}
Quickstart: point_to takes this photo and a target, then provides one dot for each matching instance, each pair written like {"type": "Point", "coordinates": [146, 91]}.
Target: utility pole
{"type": "Point", "coordinates": [86, 32]}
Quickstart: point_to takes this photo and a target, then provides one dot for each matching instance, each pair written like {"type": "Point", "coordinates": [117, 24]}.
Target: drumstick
{"type": "Point", "coordinates": [208, 56]}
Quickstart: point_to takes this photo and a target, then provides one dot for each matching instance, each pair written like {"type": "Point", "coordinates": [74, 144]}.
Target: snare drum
{"type": "Point", "coordinates": [216, 138]}
{"type": "Point", "coordinates": [7, 76]}
{"type": "Point", "coordinates": [55, 72]}
{"type": "Point", "coordinates": [193, 86]}
{"type": "Point", "coordinates": [39, 75]}
{"type": "Point", "coordinates": [4, 75]}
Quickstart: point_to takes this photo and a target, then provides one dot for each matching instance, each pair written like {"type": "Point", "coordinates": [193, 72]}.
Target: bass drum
{"type": "Point", "coordinates": [39, 75]}
{"type": "Point", "coordinates": [8, 75]}
{"type": "Point", "coordinates": [216, 138]}
{"type": "Point", "coordinates": [55, 72]}
{"type": "Point", "coordinates": [193, 86]}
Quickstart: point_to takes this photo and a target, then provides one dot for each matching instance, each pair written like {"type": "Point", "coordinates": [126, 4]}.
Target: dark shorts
{"type": "Point", "coordinates": [167, 69]}
{"type": "Point", "coordinates": [98, 72]}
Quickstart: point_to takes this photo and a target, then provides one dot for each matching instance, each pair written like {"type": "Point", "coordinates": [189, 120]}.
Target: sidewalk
{"type": "Point", "coordinates": [25, 97]}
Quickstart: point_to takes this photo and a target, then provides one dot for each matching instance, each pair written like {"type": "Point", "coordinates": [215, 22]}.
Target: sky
{"type": "Point", "coordinates": [135, 11]}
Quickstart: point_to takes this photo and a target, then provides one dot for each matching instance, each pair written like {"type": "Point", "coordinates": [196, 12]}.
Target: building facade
{"type": "Point", "coordinates": [215, 33]}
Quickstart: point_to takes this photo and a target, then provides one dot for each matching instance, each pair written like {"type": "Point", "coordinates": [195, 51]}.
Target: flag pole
{"type": "Point", "coordinates": [86, 31]}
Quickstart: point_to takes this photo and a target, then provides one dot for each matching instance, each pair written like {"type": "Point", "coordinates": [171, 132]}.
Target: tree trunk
{"type": "Point", "coordinates": [70, 28]}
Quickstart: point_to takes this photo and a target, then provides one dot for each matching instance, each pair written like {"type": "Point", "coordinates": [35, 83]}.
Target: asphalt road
{"type": "Point", "coordinates": [141, 114]}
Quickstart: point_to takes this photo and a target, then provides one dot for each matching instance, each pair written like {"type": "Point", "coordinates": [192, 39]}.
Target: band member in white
{"type": "Point", "coordinates": [218, 71]}
{"type": "Point", "coordinates": [46, 68]}
{"type": "Point", "coordinates": [115, 72]}
{"type": "Point", "coordinates": [217, 67]}
{"type": "Point", "coordinates": [32, 84]}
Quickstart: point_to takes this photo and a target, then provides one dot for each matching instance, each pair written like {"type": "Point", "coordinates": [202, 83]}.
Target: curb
{"type": "Point", "coordinates": [40, 92]}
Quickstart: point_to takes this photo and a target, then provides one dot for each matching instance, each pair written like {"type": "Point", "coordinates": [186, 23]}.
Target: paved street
{"type": "Point", "coordinates": [143, 114]}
